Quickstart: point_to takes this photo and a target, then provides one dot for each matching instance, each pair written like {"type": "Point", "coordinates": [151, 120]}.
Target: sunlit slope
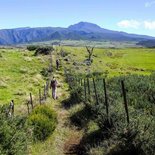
{"type": "Point", "coordinates": [19, 74]}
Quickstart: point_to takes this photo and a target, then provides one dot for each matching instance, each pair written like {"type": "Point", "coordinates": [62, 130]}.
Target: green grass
{"type": "Point", "coordinates": [82, 43]}
{"type": "Point", "coordinates": [20, 74]}
{"type": "Point", "coordinates": [114, 61]}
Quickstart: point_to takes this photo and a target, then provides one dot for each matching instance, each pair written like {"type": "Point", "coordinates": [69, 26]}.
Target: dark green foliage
{"type": "Point", "coordinates": [43, 50]}
{"type": "Point", "coordinates": [75, 97]}
{"type": "Point", "coordinates": [13, 134]}
{"type": "Point", "coordinates": [32, 47]}
{"type": "Point", "coordinates": [45, 72]}
{"type": "Point", "coordinates": [82, 118]}
{"type": "Point", "coordinates": [43, 120]}
{"type": "Point", "coordinates": [138, 137]}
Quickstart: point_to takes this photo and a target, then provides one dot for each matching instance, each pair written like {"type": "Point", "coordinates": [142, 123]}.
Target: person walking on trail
{"type": "Point", "coordinates": [57, 64]}
{"type": "Point", "coordinates": [53, 86]}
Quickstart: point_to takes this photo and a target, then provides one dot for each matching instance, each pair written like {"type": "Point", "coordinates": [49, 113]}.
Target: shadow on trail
{"type": "Point", "coordinates": [81, 118]}
{"type": "Point", "coordinates": [69, 103]}
{"type": "Point", "coordinates": [73, 100]}
{"type": "Point", "coordinates": [89, 140]}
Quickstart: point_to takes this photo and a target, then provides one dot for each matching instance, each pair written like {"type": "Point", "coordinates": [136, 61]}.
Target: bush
{"type": "Point", "coordinates": [138, 136]}
{"type": "Point", "coordinates": [43, 120]}
{"type": "Point", "coordinates": [43, 50]}
{"type": "Point", "coordinates": [32, 47]}
{"type": "Point", "coordinates": [13, 134]}
{"type": "Point", "coordinates": [44, 110]}
{"type": "Point", "coordinates": [1, 55]}
{"type": "Point", "coordinates": [44, 72]}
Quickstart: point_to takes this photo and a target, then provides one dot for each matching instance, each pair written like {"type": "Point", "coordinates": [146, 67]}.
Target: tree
{"type": "Point", "coordinates": [90, 52]}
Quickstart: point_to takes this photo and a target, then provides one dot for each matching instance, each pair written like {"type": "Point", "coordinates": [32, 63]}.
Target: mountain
{"type": "Point", "coordinates": [86, 27]}
{"type": "Point", "coordinates": [147, 43]}
{"type": "Point", "coordinates": [79, 31]}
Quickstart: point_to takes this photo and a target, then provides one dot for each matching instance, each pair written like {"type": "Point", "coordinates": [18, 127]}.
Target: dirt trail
{"type": "Point", "coordinates": [67, 137]}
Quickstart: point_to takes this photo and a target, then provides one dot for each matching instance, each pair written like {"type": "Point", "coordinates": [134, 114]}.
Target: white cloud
{"type": "Point", "coordinates": [149, 4]}
{"type": "Point", "coordinates": [149, 25]}
{"type": "Point", "coordinates": [129, 24]}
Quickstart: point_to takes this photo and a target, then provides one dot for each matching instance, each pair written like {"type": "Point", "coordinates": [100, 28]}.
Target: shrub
{"type": "Point", "coordinates": [43, 50]}
{"type": "Point", "coordinates": [32, 47]}
{"type": "Point", "coordinates": [43, 120]}
{"type": "Point", "coordinates": [44, 110]}
{"type": "Point", "coordinates": [44, 72]}
{"type": "Point", "coordinates": [1, 55]}
{"type": "Point", "coordinates": [13, 134]}
{"type": "Point", "coordinates": [138, 136]}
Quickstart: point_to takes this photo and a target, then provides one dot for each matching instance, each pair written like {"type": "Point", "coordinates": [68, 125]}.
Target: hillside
{"type": "Point", "coordinates": [147, 43]}
{"type": "Point", "coordinates": [80, 31]}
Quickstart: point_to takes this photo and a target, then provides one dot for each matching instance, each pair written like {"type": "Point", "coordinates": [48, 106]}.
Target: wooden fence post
{"type": "Point", "coordinates": [95, 91]}
{"type": "Point", "coordinates": [51, 61]}
{"type": "Point", "coordinates": [40, 96]}
{"type": "Point", "coordinates": [47, 86]}
{"type": "Point", "coordinates": [85, 91]}
{"type": "Point", "coordinates": [88, 84]}
{"type": "Point", "coordinates": [106, 98]}
{"type": "Point", "coordinates": [28, 107]}
{"type": "Point", "coordinates": [44, 92]}
{"type": "Point", "coordinates": [125, 101]}
{"type": "Point", "coordinates": [81, 82]}
{"type": "Point", "coordinates": [11, 108]}
{"type": "Point", "coordinates": [31, 101]}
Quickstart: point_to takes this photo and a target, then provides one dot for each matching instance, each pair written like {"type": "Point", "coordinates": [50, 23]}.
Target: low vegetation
{"type": "Point", "coordinates": [114, 134]}
{"type": "Point", "coordinates": [43, 121]}
{"type": "Point", "coordinates": [109, 126]}
{"type": "Point", "coordinates": [13, 134]}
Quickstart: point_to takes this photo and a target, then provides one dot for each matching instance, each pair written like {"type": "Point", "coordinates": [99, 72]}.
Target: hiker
{"type": "Point", "coordinates": [53, 85]}
{"type": "Point", "coordinates": [57, 64]}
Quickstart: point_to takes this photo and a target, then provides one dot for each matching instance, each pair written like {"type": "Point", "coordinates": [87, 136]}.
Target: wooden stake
{"type": "Point", "coordinates": [88, 86]}
{"type": "Point", "coordinates": [40, 96]}
{"type": "Point", "coordinates": [45, 92]}
{"type": "Point", "coordinates": [95, 91]}
{"type": "Point", "coordinates": [125, 101]}
{"type": "Point", "coordinates": [28, 107]}
{"type": "Point", "coordinates": [31, 101]}
{"type": "Point", "coordinates": [85, 91]}
{"type": "Point", "coordinates": [81, 82]}
{"type": "Point", "coordinates": [106, 98]}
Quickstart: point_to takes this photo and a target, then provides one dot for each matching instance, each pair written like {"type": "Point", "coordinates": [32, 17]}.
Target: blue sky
{"type": "Point", "coordinates": [133, 16]}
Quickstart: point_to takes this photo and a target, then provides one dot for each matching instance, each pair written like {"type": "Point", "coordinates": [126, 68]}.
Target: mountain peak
{"type": "Point", "coordinates": [85, 26]}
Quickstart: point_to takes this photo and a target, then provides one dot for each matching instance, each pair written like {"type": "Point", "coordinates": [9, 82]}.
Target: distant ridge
{"type": "Point", "coordinates": [79, 31]}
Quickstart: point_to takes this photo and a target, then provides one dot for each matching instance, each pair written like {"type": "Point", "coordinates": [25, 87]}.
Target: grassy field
{"type": "Point", "coordinates": [19, 74]}
{"type": "Point", "coordinates": [20, 70]}
{"type": "Point", "coordinates": [98, 44]}
{"type": "Point", "coordinates": [113, 61]}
